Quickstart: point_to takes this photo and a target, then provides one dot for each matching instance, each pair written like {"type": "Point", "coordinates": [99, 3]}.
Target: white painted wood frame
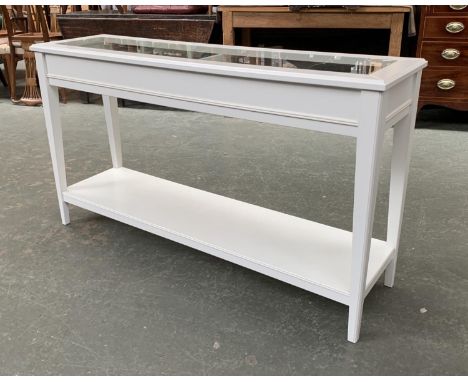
{"type": "Point", "coordinates": [337, 264]}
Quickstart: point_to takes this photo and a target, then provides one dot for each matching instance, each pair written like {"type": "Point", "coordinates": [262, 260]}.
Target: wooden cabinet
{"type": "Point", "coordinates": [443, 42]}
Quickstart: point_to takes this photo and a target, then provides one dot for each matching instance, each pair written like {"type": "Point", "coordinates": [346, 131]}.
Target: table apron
{"type": "Point", "coordinates": [313, 107]}
{"type": "Point", "coordinates": [311, 20]}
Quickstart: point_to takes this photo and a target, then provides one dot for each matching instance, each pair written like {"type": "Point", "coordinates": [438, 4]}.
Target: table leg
{"type": "Point", "coordinates": [228, 29]}
{"type": "Point", "coordinates": [398, 180]}
{"type": "Point", "coordinates": [31, 95]}
{"type": "Point", "coordinates": [368, 149]}
{"type": "Point", "coordinates": [396, 32]}
{"type": "Point", "coordinates": [402, 138]}
{"type": "Point", "coordinates": [113, 131]}
{"type": "Point", "coordinates": [54, 133]}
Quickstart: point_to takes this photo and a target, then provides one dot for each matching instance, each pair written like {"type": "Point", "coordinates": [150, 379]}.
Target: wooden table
{"type": "Point", "coordinates": [249, 17]}
{"type": "Point", "coordinates": [353, 95]}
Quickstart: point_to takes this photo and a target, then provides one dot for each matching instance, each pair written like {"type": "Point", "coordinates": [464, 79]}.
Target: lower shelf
{"type": "Point", "coordinates": [306, 254]}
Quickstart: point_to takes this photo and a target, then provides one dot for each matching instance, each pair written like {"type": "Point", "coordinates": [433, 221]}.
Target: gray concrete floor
{"type": "Point", "coordinates": [100, 297]}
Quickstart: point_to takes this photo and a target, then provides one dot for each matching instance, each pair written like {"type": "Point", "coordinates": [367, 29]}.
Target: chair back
{"type": "Point", "coordinates": [18, 19]}
{"type": "Point", "coordinates": [8, 25]}
{"type": "Point", "coordinates": [37, 22]}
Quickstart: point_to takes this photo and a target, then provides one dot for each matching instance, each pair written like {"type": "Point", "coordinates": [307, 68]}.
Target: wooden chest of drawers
{"type": "Point", "coordinates": [443, 42]}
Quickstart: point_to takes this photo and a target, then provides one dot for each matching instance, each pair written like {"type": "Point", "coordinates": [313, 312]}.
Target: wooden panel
{"type": "Point", "coordinates": [432, 52]}
{"type": "Point", "coordinates": [457, 104]}
{"type": "Point", "coordinates": [435, 27]}
{"type": "Point", "coordinates": [186, 29]}
{"type": "Point", "coordinates": [446, 10]}
{"type": "Point", "coordinates": [309, 20]}
{"type": "Point", "coordinates": [432, 76]}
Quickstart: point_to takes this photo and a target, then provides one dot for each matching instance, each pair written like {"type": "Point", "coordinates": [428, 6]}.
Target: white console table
{"type": "Point", "coordinates": [358, 96]}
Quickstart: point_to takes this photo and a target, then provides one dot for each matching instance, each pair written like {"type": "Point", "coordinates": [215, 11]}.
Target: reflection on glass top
{"type": "Point", "coordinates": [236, 55]}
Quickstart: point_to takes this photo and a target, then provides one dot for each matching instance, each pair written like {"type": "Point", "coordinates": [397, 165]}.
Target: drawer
{"type": "Point", "coordinates": [445, 53]}
{"type": "Point", "coordinates": [436, 27]}
{"type": "Point", "coordinates": [447, 9]}
{"type": "Point", "coordinates": [431, 77]}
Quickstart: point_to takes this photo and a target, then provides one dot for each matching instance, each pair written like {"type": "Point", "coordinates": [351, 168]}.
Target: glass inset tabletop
{"type": "Point", "coordinates": [236, 55]}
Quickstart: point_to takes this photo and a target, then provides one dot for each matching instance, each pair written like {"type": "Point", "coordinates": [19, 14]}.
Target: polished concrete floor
{"type": "Point", "coordinates": [100, 297]}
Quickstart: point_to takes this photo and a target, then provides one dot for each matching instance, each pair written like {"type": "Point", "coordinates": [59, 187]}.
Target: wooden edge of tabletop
{"type": "Point", "coordinates": [255, 8]}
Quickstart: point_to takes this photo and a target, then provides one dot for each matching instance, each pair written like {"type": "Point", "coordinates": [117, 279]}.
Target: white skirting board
{"type": "Point", "coordinates": [307, 254]}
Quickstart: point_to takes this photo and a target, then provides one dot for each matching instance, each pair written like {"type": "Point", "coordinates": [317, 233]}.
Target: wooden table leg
{"type": "Point", "coordinates": [31, 95]}
{"type": "Point", "coordinates": [228, 30]}
{"type": "Point", "coordinates": [396, 32]}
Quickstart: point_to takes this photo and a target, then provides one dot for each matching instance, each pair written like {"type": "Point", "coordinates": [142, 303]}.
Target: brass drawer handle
{"type": "Point", "coordinates": [454, 27]}
{"type": "Point", "coordinates": [446, 84]}
{"type": "Point", "coordinates": [450, 54]}
{"type": "Point", "coordinates": [458, 7]}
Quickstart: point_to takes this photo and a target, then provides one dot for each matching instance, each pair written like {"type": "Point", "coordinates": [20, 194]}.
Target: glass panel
{"type": "Point", "coordinates": [236, 55]}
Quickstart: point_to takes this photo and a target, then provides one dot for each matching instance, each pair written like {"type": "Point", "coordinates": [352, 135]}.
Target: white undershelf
{"type": "Point", "coordinates": [309, 255]}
